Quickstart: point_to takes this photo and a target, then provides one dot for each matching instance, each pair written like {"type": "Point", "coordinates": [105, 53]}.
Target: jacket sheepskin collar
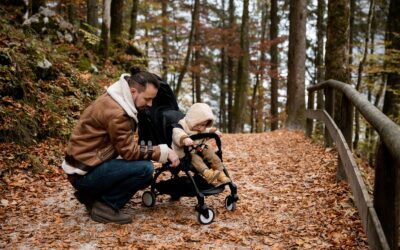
{"type": "Point", "coordinates": [121, 93]}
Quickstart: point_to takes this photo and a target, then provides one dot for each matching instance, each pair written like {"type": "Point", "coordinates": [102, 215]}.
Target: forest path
{"type": "Point", "coordinates": [289, 199]}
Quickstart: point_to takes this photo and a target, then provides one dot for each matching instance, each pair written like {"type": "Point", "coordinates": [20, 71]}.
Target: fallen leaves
{"type": "Point", "coordinates": [289, 199]}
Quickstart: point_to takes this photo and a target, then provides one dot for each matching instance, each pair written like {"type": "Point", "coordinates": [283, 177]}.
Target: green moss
{"type": "Point", "coordinates": [84, 64]}
{"type": "Point", "coordinates": [36, 163]}
{"type": "Point", "coordinates": [35, 109]}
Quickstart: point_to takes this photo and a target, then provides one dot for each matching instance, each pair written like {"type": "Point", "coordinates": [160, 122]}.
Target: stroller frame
{"type": "Point", "coordinates": [205, 214]}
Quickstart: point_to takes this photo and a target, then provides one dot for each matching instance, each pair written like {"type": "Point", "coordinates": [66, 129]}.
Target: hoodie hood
{"type": "Point", "coordinates": [121, 93]}
{"type": "Point", "coordinates": [198, 113]}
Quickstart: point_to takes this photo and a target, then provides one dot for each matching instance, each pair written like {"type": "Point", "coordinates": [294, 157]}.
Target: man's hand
{"type": "Point", "coordinates": [173, 158]}
{"type": "Point", "coordinates": [188, 142]}
{"type": "Point", "coordinates": [218, 133]}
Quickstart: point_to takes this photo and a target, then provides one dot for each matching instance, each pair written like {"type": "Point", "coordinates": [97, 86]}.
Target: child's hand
{"type": "Point", "coordinates": [188, 142]}
{"type": "Point", "coordinates": [218, 133]}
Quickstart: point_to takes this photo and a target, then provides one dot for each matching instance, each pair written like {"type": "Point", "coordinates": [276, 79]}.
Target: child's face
{"type": "Point", "coordinates": [200, 127]}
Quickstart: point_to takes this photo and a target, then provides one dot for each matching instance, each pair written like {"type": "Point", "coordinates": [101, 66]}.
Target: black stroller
{"type": "Point", "coordinates": [155, 127]}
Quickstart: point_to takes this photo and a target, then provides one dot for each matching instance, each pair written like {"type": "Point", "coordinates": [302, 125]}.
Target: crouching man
{"type": "Point", "coordinates": [103, 161]}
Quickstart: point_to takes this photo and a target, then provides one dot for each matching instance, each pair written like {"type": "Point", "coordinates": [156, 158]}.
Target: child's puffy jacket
{"type": "Point", "coordinates": [197, 113]}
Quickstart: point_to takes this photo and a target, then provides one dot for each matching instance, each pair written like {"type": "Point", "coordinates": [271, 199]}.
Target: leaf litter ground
{"type": "Point", "coordinates": [289, 199]}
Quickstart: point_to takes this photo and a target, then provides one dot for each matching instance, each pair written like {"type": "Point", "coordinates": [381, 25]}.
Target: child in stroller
{"type": "Point", "coordinates": [199, 119]}
{"type": "Point", "coordinates": [156, 126]}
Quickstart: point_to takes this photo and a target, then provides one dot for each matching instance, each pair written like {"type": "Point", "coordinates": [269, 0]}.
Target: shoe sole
{"type": "Point", "coordinates": [105, 221]}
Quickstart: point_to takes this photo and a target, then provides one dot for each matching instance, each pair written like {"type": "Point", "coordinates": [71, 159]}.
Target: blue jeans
{"type": "Point", "coordinates": [115, 181]}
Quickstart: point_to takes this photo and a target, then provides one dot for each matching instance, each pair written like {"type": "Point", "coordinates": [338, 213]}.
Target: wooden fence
{"type": "Point", "coordinates": [380, 216]}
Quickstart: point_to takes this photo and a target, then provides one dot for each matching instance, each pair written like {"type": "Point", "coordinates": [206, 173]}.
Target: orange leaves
{"type": "Point", "coordinates": [289, 199]}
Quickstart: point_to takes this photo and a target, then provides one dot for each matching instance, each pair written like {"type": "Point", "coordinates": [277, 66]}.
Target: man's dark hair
{"type": "Point", "coordinates": [139, 78]}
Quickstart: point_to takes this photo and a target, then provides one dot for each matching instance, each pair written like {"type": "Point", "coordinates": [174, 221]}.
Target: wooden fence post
{"type": "Point", "coordinates": [387, 194]}
{"type": "Point", "coordinates": [346, 126]}
{"type": "Point", "coordinates": [329, 101]}
{"type": "Point", "coordinates": [310, 105]}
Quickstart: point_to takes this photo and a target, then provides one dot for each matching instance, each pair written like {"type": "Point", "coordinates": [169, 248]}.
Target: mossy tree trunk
{"type": "Point", "coordinates": [295, 104]}
{"type": "Point", "coordinates": [336, 65]}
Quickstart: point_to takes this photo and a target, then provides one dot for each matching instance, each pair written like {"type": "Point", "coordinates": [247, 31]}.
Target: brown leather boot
{"type": "Point", "coordinates": [223, 179]}
{"type": "Point", "coordinates": [103, 213]}
{"type": "Point", "coordinates": [85, 200]}
{"type": "Point", "coordinates": [210, 175]}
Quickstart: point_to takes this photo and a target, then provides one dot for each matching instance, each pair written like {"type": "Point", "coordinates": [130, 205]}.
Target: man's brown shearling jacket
{"type": "Point", "coordinates": [105, 131]}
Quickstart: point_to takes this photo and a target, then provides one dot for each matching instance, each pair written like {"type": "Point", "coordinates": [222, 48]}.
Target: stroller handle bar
{"type": "Point", "coordinates": [205, 136]}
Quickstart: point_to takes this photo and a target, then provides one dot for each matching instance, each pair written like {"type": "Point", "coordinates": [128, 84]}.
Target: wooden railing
{"type": "Point", "coordinates": [380, 215]}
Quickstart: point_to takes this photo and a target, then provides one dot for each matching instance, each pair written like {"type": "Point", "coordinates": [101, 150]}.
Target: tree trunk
{"type": "Point", "coordinates": [337, 41]}
{"type": "Point", "coordinates": [274, 64]}
{"type": "Point", "coordinates": [260, 87]}
{"type": "Point", "coordinates": [195, 19]}
{"type": "Point", "coordinates": [319, 58]}
{"type": "Point", "coordinates": [243, 70]}
{"type": "Point", "coordinates": [351, 36]}
{"type": "Point", "coordinates": [391, 105]}
{"type": "Point", "coordinates": [193, 81]}
{"type": "Point", "coordinates": [253, 104]}
{"type": "Point", "coordinates": [146, 32]}
{"type": "Point", "coordinates": [387, 174]}
{"type": "Point", "coordinates": [197, 79]}
{"type": "Point", "coordinates": [35, 6]}
{"type": "Point", "coordinates": [92, 12]}
{"type": "Point", "coordinates": [336, 64]}
{"type": "Point", "coordinates": [164, 34]}
{"type": "Point", "coordinates": [361, 68]}
{"type": "Point", "coordinates": [197, 63]}
{"type": "Point", "coordinates": [71, 10]}
{"type": "Point", "coordinates": [117, 10]}
{"type": "Point", "coordinates": [134, 12]}
{"type": "Point", "coordinates": [222, 96]}
{"type": "Point", "coordinates": [295, 105]}
{"type": "Point", "coordinates": [386, 193]}
{"type": "Point", "coordinates": [230, 69]}
{"type": "Point", "coordinates": [105, 28]}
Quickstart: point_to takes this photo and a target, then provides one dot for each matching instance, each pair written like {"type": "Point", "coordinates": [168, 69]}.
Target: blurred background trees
{"type": "Point", "coordinates": [251, 60]}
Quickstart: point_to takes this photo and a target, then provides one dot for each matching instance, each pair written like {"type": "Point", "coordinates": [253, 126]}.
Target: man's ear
{"type": "Point", "coordinates": [133, 90]}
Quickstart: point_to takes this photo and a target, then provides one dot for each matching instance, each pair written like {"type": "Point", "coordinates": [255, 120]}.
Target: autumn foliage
{"type": "Point", "coordinates": [289, 199]}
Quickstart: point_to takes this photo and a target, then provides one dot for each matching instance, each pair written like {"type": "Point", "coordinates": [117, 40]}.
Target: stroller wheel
{"type": "Point", "coordinates": [206, 217]}
{"type": "Point", "coordinates": [148, 199]}
{"type": "Point", "coordinates": [230, 204]}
